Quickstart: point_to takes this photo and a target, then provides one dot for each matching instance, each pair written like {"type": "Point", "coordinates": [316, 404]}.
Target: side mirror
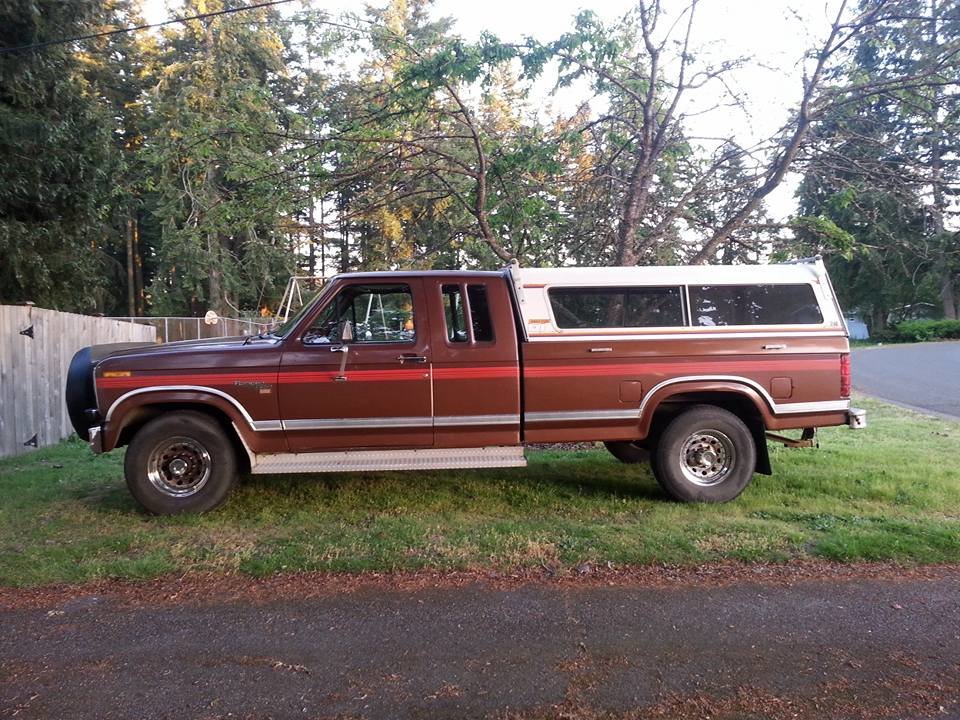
{"type": "Point", "coordinates": [346, 333]}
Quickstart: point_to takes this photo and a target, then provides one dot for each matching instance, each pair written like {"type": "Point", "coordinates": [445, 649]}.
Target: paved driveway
{"type": "Point", "coordinates": [925, 376]}
{"type": "Point", "coordinates": [865, 648]}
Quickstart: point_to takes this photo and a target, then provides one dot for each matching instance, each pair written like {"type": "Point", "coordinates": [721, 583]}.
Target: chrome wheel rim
{"type": "Point", "coordinates": [179, 467]}
{"type": "Point", "coordinates": [707, 457]}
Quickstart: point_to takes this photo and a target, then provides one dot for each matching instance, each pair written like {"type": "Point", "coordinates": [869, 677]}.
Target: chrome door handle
{"type": "Point", "coordinates": [339, 348]}
{"type": "Point", "coordinates": [412, 358]}
{"type": "Point", "coordinates": [774, 347]}
{"type": "Point", "coordinates": [603, 349]}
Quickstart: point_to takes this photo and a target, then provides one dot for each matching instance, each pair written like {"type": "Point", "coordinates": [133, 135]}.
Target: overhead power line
{"type": "Point", "coordinates": [119, 31]}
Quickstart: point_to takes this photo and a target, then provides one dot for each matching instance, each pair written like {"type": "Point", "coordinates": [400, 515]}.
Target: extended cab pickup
{"type": "Point", "coordinates": [689, 367]}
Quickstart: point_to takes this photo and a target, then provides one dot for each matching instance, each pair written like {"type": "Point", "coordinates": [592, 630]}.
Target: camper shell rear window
{"type": "Point", "coordinates": [716, 305]}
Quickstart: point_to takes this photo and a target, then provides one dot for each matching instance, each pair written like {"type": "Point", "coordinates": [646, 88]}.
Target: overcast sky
{"type": "Point", "coordinates": [775, 33]}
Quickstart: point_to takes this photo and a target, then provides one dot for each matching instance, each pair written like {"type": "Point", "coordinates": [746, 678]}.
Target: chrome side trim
{"type": "Point", "coordinates": [377, 460]}
{"type": "Point", "coordinates": [390, 422]}
{"type": "Point", "coordinates": [350, 423]}
{"type": "Point", "coordinates": [812, 407]}
{"type": "Point", "coordinates": [250, 455]}
{"type": "Point", "coordinates": [457, 420]}
{"type": "Point", "coordinates": [267, 425]}
{"type": "Point", "coordinates": [584, 415]}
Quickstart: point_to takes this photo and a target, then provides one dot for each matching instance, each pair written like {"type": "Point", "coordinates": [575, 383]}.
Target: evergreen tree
{"type": "Point", "coordinates": [58, 162]}
{"type": "Point", "coordinates": [217, 151]}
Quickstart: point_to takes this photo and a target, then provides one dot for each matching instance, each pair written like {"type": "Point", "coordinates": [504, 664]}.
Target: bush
{"type": "Point", "coordinates": [920, 331]}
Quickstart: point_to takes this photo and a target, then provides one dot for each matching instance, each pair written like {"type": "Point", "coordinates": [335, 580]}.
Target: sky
{"type": "Point", "coordinates": [773, 33]}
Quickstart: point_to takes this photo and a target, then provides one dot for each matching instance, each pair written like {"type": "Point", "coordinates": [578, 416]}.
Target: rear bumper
{"type": "Point", "coordinates": [95, 438]}
{"type": "Point", "coordinates": [856, 418]}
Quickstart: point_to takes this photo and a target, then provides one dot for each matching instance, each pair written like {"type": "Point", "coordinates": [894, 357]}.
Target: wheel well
{"type": "Point", "coordinates": [140, 416]}
{"type": "Point", "coordinates": [739, 405]}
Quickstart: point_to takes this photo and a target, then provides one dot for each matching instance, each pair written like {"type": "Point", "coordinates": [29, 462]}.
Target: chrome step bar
{"type": "Point", "coordinates": [376, 460]}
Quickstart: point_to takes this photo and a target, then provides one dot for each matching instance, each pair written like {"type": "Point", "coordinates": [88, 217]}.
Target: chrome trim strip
{"type": "Point", "coordinates": [267, 425]}
{"type": "Point", "coordinates": [812, 407]}
{"type": "Point", "coordinates": [389, 422]}
{"type": "Point", "coordinates": [351, 423]}
{"type": "Point", "coordinates": [573, 416]}
{"type": "Point", "coordinates": [250, 455]}
{"type": "Point", "coordinates": [456, 420]}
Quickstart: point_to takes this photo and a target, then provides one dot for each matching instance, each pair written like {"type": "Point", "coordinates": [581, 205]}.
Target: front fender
{"type": "Point", "coordinates": [131, 406]}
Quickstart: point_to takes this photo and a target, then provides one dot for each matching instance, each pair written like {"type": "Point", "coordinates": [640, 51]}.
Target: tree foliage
{"type": "Point", "coordinates": [884, 166]}
{"type": "Point", "coordinates": [198, 167]}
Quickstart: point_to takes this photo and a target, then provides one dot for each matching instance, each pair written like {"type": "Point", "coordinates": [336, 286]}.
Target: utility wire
{"type": "Point", "coordinates": [118, 31]}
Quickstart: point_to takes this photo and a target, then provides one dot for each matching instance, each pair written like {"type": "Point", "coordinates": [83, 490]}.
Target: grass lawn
{"type": "Point", "coordinates": [889, 492]}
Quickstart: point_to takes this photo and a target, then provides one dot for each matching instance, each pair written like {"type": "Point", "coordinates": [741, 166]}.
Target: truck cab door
{"type": "Point", "coordinates": [476, 373]}
{"type": "Point", "coordinates": [369, 392]}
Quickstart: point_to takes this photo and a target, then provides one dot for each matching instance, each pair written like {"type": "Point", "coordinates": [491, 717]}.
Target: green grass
{"type": "Point", "coordinates": [891, 492]}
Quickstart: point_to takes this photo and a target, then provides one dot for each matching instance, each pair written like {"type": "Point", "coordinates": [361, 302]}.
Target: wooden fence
{"type": "Point", "coordinates": [36, 347]}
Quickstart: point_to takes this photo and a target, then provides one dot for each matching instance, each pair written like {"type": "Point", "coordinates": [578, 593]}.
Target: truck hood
{"type": "Point", "coordinates": [241, 351]}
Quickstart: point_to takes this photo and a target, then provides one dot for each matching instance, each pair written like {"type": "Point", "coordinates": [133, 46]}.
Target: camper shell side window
{"type": "Point", "coordinates": [603, 307]}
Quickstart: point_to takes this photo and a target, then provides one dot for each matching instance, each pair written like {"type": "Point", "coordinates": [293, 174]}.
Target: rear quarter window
{"type": "Point", "coordinates": [716, 305]}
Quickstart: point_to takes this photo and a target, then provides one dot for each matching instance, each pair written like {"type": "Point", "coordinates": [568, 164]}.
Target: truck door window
{"type": "Point", "coordinates": [454, 314]}
{"type": "Point", "coordinates": [713, 305]}
{"type": "Point", "coordinates": [601, 307]}
{"type": "Point", "coordinates": [480, 313]}
{"type": "Point", "coordinates": [378, 313]}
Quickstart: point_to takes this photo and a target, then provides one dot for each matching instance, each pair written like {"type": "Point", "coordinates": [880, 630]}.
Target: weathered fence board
{"type": "Point", "coordinates": [33, 371]}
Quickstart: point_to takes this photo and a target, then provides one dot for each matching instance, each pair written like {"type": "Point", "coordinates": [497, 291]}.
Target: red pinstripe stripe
{"type": "Point", "coordinates": [192, 379]}
{"type": "Point", "coordinates": [291, 378]}
{"type": "Point", "coordinates": [589, 369]}
{"type": "Point", "coordinates": [719, 366]}
{"type": "Point", "coordinates": [468, 373]}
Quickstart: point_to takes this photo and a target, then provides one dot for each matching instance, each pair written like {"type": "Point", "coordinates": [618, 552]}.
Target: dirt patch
{"type": "Point", "coordinates": [916, 695]}
{"type": "Point", "coordinates": [211, 588]}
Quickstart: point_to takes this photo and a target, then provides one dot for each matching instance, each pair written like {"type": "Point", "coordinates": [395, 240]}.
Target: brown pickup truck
{"type": "Point", "coordinates": [689, 367]}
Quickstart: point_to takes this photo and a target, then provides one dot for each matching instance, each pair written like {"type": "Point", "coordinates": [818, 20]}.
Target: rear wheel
{"type": "Point", "coordinates": [628, 452]}
{"type": "Point", "coordinates": [181, 462]}
{"type": "Point", "coordinates": [706, 454]}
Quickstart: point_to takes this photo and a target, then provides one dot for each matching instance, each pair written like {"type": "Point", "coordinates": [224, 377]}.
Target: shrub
{"type": "Point", "coordinates": [920, 331]}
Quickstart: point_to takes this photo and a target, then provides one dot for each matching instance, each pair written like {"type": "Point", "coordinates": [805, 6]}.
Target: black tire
{"type": "Point", "coordinates": [628, 452]}
{"type": "Point", "coordinates": [180, 462]}
{"type": "Point", "coordinates": [705, 454]}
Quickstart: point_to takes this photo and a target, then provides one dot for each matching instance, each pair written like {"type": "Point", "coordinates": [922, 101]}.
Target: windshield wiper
{"type": "Point", "coordinates": [259, 336]}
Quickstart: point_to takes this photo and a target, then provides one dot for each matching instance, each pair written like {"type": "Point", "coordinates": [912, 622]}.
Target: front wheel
{"type": "Point", "coordinates": [180, 462]}
{"type": "Point", "coordinates": [706, 454]}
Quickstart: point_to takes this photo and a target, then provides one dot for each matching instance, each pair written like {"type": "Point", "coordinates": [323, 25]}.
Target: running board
{"type": "Point", "coordinates": [376, 460]}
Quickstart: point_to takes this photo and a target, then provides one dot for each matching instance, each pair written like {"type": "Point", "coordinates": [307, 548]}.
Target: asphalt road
{"type": "Point", "coordinates": [858, 648]}
{"type": "Point", "coordinates": [925, 376]}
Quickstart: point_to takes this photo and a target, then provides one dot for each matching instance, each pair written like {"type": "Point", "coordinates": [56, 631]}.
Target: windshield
{"type": "Point", "coordinates": [284, 329]}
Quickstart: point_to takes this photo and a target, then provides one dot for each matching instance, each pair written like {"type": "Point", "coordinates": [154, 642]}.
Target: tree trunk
{"type": "Point", "coordinates": [214, 275]}
{"type": "Point", "coordinates": [139, 299]}
{"type": "Point", "coordinates": [633, 205]}
{"type": "Point", "coordinates": [131, 265]}
{"type": "Point", "coordinates": [948, 295]}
